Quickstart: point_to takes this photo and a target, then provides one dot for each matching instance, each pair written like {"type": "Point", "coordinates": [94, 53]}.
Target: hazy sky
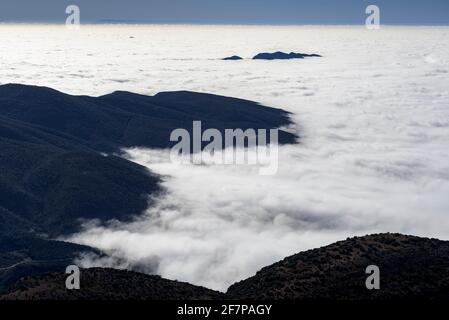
{"type": "Point", "coordinates": [433, 12]}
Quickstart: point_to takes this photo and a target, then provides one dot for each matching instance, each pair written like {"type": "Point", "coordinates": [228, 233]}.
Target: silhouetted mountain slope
{"type": "Point", "coordinates": [52, 189]}
{"type": "Point", "coordinates": [124, 119]}
{"type": "Point", "coordinates": [89, 186]}
{"type": "Point", "coordinates": [410, 267]}
{"type": "Point", "coordinates": [53, 170]}
{"type": "Point", "coordinates": [22, 256]}
{"type": "Point", "coordinates": [108, 284]}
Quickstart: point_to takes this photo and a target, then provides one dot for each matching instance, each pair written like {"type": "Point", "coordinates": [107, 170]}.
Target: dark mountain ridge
{"type": "Point", "coordinates": [124, 119]}
{"type": "Point", "coordinates": [108, 284]}
{"type": "Point", "coordinates": [410, 267]}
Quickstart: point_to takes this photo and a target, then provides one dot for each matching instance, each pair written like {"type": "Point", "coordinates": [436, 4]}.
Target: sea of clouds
{"type": "Point", "coordinates": [372, 114]}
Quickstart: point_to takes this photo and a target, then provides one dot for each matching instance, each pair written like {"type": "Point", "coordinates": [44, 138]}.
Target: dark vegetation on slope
{"type": "Point", "coordinates": [107, 284]}
{"type": "Point", "coordinates": [410, 268]}
{"type": "Point", "coordinates": [22, 256]}
{"type": "Point", "coordinates": [53, 171]}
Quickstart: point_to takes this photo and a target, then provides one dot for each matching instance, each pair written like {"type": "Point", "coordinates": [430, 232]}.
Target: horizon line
{"type": "Point", "coordinates": [136, 23]}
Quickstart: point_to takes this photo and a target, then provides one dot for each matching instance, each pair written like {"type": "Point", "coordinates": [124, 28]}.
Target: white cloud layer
{"type": "Point", "coordinates": [373, 115]}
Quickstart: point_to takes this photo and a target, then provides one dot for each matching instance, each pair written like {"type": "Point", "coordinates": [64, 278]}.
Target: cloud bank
{"type": "Point", "coordinates": [372, 114]}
